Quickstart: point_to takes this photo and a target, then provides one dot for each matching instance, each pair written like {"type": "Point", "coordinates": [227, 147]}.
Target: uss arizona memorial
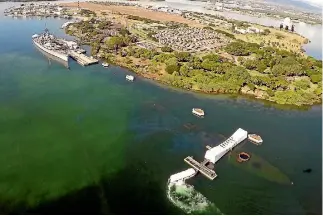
{"type": "Point", "coordinates": [211, 156]}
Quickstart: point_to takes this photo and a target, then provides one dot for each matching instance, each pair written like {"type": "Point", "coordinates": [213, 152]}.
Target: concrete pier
{"type": "Point", "coordinates": [82, 59]}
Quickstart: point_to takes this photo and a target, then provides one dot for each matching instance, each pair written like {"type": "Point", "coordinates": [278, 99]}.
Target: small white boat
{"type": "Point", "coordinates": [198, 112]}
{"type": "Point", "coordinates": [105, 65]}
{"type": "Point", "coordinates": [34, 36]}
{"type": "Point", "coordinates": [66, 24]}
{"type": "Point", "coordinates": [130, 78]}
{"type": "Point", "coordinates": [255, 138]}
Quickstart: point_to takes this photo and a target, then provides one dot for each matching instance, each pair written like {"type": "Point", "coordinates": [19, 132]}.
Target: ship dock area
{"type": "Point", "coordinates": [62, 49]}
{"type": "Point", "coordinates": [212, 155]}
{"type": "Point", "coordinates": [82, 59]}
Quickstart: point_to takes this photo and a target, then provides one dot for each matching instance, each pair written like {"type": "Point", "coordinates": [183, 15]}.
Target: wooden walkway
{"type": "Point", "coordinates": [83, 59]}
{"type": "Point", "coordinates": [201, 167]}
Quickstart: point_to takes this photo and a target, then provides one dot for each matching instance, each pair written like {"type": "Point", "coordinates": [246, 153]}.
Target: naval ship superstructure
{"type": "Point", "coordinates": [51, 45]}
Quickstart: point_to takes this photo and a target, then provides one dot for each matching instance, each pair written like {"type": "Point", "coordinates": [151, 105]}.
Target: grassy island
{"type": "Point", "coordinates": [269, 65]}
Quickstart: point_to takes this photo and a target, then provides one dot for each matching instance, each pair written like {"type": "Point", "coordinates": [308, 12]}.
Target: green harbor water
{"type": "Point", "coordinates": [85, 141]}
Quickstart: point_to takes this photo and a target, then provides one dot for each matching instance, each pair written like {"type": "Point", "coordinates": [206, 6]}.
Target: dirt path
{"type": "Point", "coordinates": [135, 11]}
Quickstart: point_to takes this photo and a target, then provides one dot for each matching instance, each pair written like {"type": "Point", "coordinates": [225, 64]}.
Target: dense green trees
{"type": "Point", "coordinates": [163, 57]}
{"type": "Point", "coordinates": [216, 72]}
{"type": "Point", "coordinates": [183, 56]}
{"type": "Point", "coordinates": [184, 70]}
{"type": "Point", "coordinates": [115, 42]}
{"type": "Point", "coordinates": [167, 49]}
{"type": "Point", "coordinates": [289, 67]}
{"type": "Point", "coordinates": [250, 64]}
{"type": "Point", "coordinates": [302, 84]}
{"type": "Point", "coordinates": [142, 53]}
{"type": "Point", "coordinates": [261, 66]}
{"type": "Point", "coordinates": [104, 24]}
{"type": "Point", "coordinates": [212, 57]}
{"type": "Point", "coordinates": [171, 68]}
{"type": "Point", "coordinates": [209, 65]}
{"type": "Point", "coordinates": [316, 78]}
{"type": "Point", "coordinates": [295, 97]}
{"type": "Point", "coordinates": [124, 32]}
{"type": "Point", "coordinates": [241, 48]}
{"type": "Point", "coordinates": [172, 65]}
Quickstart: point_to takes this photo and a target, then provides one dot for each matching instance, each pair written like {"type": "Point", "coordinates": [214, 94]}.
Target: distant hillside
{"type": "Point", "coordinates": [296, 4]}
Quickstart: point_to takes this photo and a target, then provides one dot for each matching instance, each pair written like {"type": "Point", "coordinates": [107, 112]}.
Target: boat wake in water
{"type": "Point", "coordinates": [185, 197]}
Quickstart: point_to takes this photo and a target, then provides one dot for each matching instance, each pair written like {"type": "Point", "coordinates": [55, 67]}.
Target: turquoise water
{"type": "Point", "coordinates": [84, 140]}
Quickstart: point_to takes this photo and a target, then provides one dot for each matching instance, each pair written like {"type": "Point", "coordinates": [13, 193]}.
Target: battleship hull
{"type": "Point", "coordinates": [58, 55]}
{"type": "Point", "coordinates": [52, 58]}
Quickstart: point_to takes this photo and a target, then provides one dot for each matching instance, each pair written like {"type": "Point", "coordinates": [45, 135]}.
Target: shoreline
{"type": "Point", "coordinates": [150, 69]}
{"type": "Point", "coordinates": [247, 97]}
{"type": "Point", "coordinates": [140, 68]}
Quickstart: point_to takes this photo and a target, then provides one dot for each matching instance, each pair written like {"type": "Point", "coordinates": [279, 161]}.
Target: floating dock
{"type": "Point", "coordinates": [82, 59]}
{"type": "Point", "coordinates": [211, 156]}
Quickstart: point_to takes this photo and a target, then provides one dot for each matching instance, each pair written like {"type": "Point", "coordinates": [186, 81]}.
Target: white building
{"type": "Point", "coordinates": [250, 30]}
{"type": "Point", "coordinates": [254, 30]}
{"type": "Point", "coordinates": [287, 22]}
{"type": "Point", "coordinates": [216, 153]}
{"type": "Point", "coordinates": [241, 31]}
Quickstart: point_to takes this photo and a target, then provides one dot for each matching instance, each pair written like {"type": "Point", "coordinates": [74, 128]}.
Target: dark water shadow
{"type": "Point", "coordinates": [132, 190]}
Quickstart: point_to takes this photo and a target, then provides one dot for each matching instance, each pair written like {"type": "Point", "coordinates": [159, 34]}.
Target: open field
{"type": "Point", "coordinates": [135, 11]}
{"type": "Point", "coordinates": [282, 39]}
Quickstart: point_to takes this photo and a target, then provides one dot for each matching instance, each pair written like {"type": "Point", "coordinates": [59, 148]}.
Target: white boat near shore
{"type": "Point", "coordinates": [34, 36]}
{"type": "Point", "coordinates": [255, 138]}
{"type": "Point", "coordinates": [66, 24]}
{"type": "Point", "coordinates": [198, 112]}
{"type": "Point", "coordinates": [105, 65]}
{"type": "Point", "coordinates": [130, 78]}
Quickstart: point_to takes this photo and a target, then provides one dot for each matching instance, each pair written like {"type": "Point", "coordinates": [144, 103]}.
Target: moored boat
{"type": "Point", "coordinates": [198, 112]}
{"type": "Point", "coordinates": [51, 45]}
{"type": "Point", "coordinates": [34, 36]}
{"type": "Point", "coordinates": [66, 24]}
{"type": "Point", "coordinates": [105, 65]}
{"type": "Point", "coordinates": [130, 78]}
{"type": "Point", "coordinates": [255, 138]}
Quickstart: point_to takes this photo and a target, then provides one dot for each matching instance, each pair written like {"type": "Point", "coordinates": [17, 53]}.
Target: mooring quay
{"type": "Point", "coordinates": [211, 156]}
{"type": "Point", "coordinates": [82, 59]}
